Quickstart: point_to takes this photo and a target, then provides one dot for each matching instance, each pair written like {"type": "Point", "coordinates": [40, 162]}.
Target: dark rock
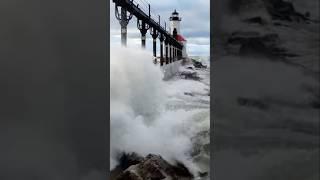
{"type": "Point", "coordinates": [190, 68]}
{"type": "Point", "coordinates": [151, 168]}
{"type": "Point", "coordinates": [198, 64]}
{"type": "Point", "coordinates": [154, 167]}
{"type": "Point", "coordinates": [127, 160]}
{"type": "Point", "coordinates": [189, 75]}
{"type": "Point", "coordinates": [127, 175]}
{"type": "Point", "coordinates": [180, 170]}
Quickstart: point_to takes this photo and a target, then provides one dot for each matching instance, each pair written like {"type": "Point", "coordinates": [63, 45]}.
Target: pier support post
{"type": "Point", "coordinates": [143, 40]}
{"type": "Point", "coordinates": [143, 27]}
{"type": "Point", "coordinates": [123, 27]}
{"type": "Point", "coordinates": [155, 47]}
{"type": "Point", "coordinates": [154, 35]}
{"type": "Point", "coordinates": [174, 54]}
{"type": "Point", "coordinates": [124, 20]}
{"type": "Point", "coordinates": [170, 53]}
{"type": "Point", "coordinates": [177, 54]}
{"type": "Point", "coordinates": [173, 57]}
{"type": "Point", "coordinates": [161, 49]}
{"type": "Point", "coordinates": [167, 57]}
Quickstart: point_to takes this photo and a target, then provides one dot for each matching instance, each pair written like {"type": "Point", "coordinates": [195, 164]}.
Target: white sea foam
{"type": "Point", "coordinates": [140, 119]}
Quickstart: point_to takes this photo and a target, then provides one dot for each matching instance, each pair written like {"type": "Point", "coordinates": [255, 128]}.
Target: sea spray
{"type": "Point", "coordinates": [135, 81]}
{"type": "Point", "coordinates": [140, 122]}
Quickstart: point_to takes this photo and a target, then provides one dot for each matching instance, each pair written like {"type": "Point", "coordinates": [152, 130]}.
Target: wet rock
{"type": "Point", "coordinates": [125, 161]}
{"type": "Point", "coordinates": [180, 170]}
{"type": "Point", "coordinates": [128, 160]}
{"type": "Point", "coordinates": [190, 68]}
{"type": "Point", "coordinates": [198, 64]}
{"type": "Point", "coordinates": [189, 75]}
{"type": "Point", "coordinates": [129, 175]}
{"type": "Point", "coordinates": [154, 167]}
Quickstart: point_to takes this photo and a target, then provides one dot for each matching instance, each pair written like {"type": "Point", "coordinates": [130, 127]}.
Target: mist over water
{"type": "Point", "coordinates": [141, 120]}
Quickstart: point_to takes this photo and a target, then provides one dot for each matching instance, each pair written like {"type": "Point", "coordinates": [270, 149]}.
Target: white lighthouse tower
{"type": "Point", "coordinates": [175, 22]}
{"type": "Point", "coordinates": [175, 28]}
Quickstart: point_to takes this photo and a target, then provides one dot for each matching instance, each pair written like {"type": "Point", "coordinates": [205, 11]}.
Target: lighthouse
{"type": "Point", "coordinates": [175, 31]}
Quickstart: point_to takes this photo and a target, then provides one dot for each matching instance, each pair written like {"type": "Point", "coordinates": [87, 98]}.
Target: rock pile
{"type": "Point", "coordinates": [152, 167]}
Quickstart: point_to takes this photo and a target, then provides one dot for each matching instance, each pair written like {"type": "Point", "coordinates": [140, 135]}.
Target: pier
{"type": "Point", "coordinates": [126, 9]}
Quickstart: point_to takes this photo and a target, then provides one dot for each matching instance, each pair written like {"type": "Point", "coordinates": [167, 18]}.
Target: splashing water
{"type": "Point", "coordinates": [140, 119]}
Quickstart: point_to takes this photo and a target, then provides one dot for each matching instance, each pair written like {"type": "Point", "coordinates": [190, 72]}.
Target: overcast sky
{"type": "Point", "coordinates": [195, 24]}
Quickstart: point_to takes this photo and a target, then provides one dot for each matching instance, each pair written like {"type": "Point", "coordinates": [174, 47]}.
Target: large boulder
{"type": "Point", "coordinates": [152, 167]}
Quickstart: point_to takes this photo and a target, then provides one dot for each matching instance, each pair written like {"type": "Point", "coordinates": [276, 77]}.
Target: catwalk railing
{"type": "Point", "coordinates": [126, 9]}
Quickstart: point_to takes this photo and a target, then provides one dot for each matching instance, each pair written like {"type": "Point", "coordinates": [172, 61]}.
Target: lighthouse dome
{"type": "Point", "coordinates": [175, 16]}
